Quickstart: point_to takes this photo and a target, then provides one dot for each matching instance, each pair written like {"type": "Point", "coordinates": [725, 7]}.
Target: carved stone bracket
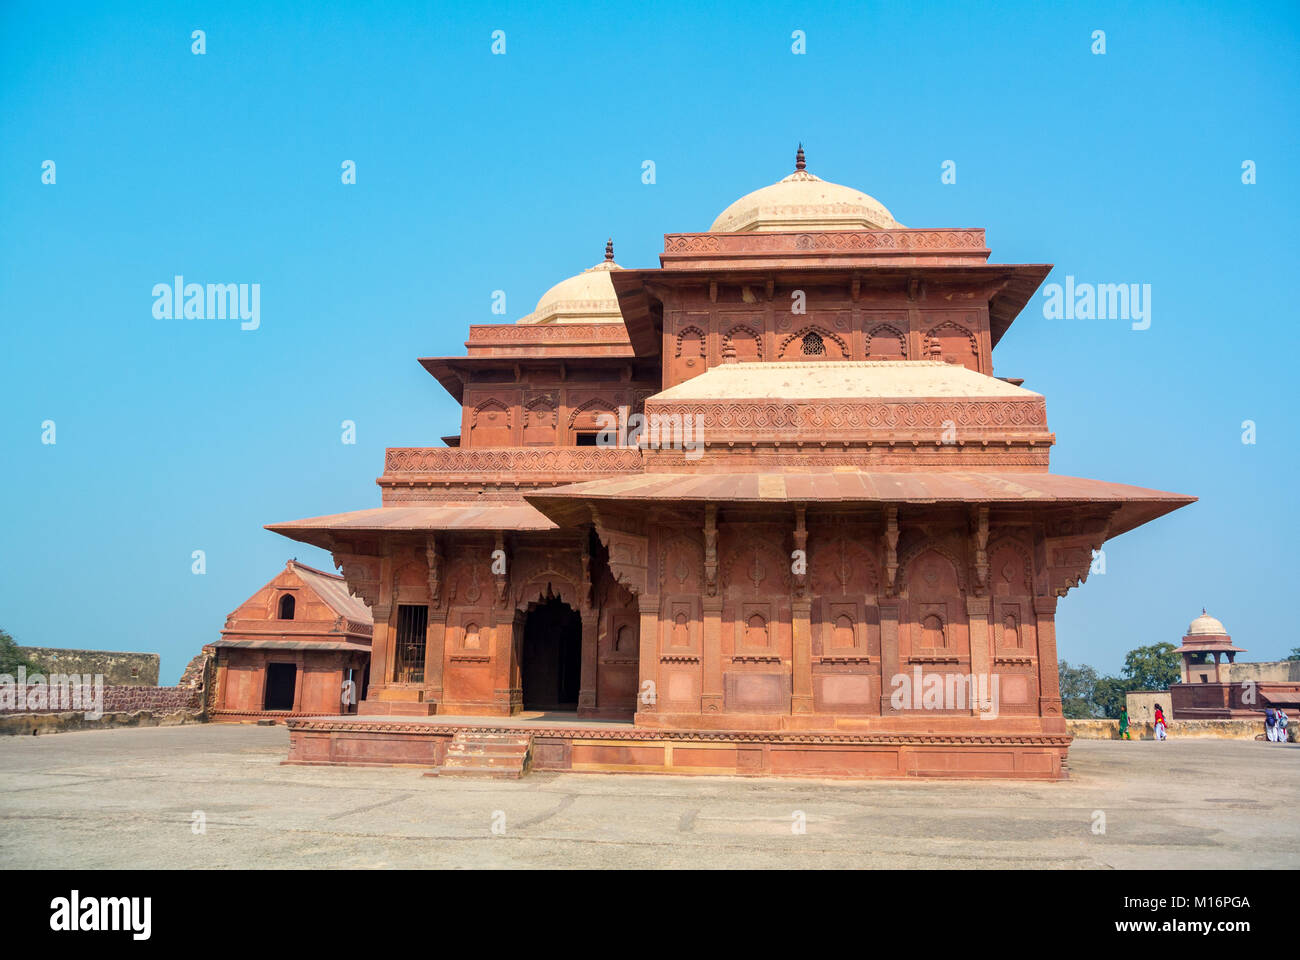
{"type": "Point", "coordinates": [891, 550]}
{"type": "Point", "coordinates": [502, 578]}
{"type": "Point", "coordinates": [801, 544]}
{"type": "Point", "coordinates": [584, 600]}
{"type": "Point", "coordinates": [361, 574]}
{"type": "Point", "coordinates": [711, 549]}
{"type": "Point", "coordinates": [434, 559]}
{"type": "Point", "coordinates": [628, 554]}
{"type": "Point", "coordinates": [981, 518]}
{"type": "Point", "coordinates": [1069, 552]}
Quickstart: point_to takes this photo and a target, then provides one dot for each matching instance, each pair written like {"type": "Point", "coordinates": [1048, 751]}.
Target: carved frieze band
{"type": "Point", "coordinates": [965, 241]}
{"type": "Point", "coordinates": [515, 334]}
{"type": "Point", "coordinates": [580, 462]}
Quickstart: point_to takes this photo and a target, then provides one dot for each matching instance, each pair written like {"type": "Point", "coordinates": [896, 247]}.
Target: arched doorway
{"type": "Point", "coordinates": [551, 659]}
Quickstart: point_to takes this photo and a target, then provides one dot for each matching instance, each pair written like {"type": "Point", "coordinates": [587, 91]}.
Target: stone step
{"type": "Point", "coordinates": [486, 755]}
{"type": "Point", "coordinates": [485, 759]}
{"type": "Point", "coordinates": [480, 746]}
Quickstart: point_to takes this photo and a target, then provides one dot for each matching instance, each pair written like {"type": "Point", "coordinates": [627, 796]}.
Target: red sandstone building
{"type": "Point", "coordinates": [289, 648]}
{"type": "Point", "coordinates": [836, 498]}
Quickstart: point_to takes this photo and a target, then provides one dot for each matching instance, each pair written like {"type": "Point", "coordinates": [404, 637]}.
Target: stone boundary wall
{"type": "Point", "coordinates": [1261, 671]}
{"type": "Point", "coordinates": [1222, 729]}
{"type": "Point", "coordinates": [1142, 705]}
{"type": "Point", "coordinates": [121, 699]}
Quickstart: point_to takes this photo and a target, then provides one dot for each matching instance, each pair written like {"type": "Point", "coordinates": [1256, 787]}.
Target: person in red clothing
{"type": "Point", "coordinates": [1160, 724]}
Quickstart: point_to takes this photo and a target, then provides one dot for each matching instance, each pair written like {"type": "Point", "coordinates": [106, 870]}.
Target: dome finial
{"type": "Point", "coordinates": [609, 249]}
{"type": "Point", "coordinates": [799, 163]}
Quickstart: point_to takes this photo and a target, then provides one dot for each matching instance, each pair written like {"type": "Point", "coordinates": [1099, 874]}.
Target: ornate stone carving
{"type": "Point", "coordinates": [628, 555]}
{"type": "Point", "coordinates": [500, 567]}
{"type": "Point", "coordinates": [801, 544]}
{"type": "Point", "coordinates": [891, 550]}
{"type": "Point", "coordinates": [961, 240]}
{"type": "Point", "coordinates": [711, 549]}
{"type": "Point", "coordinates": [516, 334]}
{"type": "Point", "coordinates": [981, 536]}
{"type": "Point", "coordinates": [434, 560]}
{"type": "Point", "coordinates": [544, 463]}
{"type": "Point", "coordinates": [976, 419]}
{"type": "Point", "coordinates": [361, 574]}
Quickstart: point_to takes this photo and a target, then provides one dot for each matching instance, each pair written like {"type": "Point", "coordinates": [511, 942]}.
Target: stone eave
{"type": "Point", "coordinates": [453, 372]}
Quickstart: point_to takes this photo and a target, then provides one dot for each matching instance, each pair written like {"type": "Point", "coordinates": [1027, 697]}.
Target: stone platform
{"type": "Point", "coordinates": [561, 742]}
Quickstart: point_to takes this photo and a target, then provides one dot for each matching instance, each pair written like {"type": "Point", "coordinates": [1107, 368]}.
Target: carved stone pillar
{"type": "Point", "coordinates": [711, 609]}
{"type": "Point", "coordinates": [435, 636]}
{"type": "Point", "coordinates": [590, 663]}
{"type": "Point", "coordinates": [218, 696]}
{"type": "Point", "coordinates": [711, 698]}
{"type": "Point", "coordinates": [507, 698]}
{"type": "Point", "coordinates": [648, 696]}
{"type": "Point", "coordinates": [297, 686]}
{"type": "Point", "coordinates": [801, 699]}
{"type": "Point", "coordinates": [381, 659]}
{"type": "Point", "coordinates": [259, 688]}
{"type": "Point", "coordinates": [435, 643]}
{"type": "Point", "coordinates": [981, 652]}
{"type": "Point", "coordinates": [1049, 679]}
{"type": "Point", "coordinates": [889, 657]}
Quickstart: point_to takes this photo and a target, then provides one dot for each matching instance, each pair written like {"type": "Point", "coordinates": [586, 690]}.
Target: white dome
{"type": "Point", "coordinates": [586, 298]}
{"type": "Point", "coordinates": [1206, 626]}
{"type": "Point", "coordinates": [802, 201]}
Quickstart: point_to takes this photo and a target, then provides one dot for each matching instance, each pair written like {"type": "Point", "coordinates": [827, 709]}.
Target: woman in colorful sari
{"type": "Point", "coordinates": [1161, 733]}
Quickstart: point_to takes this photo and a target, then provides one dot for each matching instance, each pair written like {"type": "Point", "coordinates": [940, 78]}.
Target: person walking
{"type": "Point", "coordinates": [1123, 724]}
{"type": "Point", "coordinates": [1282, 721]}
{"type": "Point", "coordinates": [1270, 724]}
{"type": "Point", "coordinates": [1161, 733]}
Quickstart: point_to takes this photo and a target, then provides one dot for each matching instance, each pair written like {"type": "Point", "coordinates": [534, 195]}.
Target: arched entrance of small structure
{"type": "Point", "coordinates": [551, 656]}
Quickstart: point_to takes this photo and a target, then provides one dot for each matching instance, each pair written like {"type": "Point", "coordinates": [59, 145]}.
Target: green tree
{"type": "Point", "coordinates": [1109, 696]}
{"type": "Point", "coordinates": [1077, 685]}
{"type": "Point", "coordinates": [1295, 654]}
{"type": "Point", "coordinates": [11, 658]}
{"type": "Point", "coordinates": [1152, 668]}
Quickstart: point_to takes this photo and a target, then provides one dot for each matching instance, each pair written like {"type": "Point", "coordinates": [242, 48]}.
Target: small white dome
{"type": "Point", "coordinates": [586, 298]}
{"type": "Point", "coordinates": [1206, 626]}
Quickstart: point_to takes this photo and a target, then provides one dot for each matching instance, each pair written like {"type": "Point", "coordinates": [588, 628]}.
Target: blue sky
{"type": "Point", "coordinates": [478, 172]}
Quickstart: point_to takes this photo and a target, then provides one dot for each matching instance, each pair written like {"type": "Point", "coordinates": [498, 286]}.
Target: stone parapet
{"type": "Point", "coordinates": [526, 465]}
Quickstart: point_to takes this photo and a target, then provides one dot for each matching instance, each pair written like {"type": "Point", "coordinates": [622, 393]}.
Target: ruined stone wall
{"type": "Point", "coordinates": [118, 668]}
{"type": "Point", "coordinates": [32, 710]}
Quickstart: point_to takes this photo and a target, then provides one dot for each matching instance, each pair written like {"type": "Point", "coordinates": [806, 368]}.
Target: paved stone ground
{"type": "Point", "coordinates": [124, 798]}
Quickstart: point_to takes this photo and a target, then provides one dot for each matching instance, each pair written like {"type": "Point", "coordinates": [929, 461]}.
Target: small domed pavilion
{"type": "Point", "coordinates": [1205, 643]}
